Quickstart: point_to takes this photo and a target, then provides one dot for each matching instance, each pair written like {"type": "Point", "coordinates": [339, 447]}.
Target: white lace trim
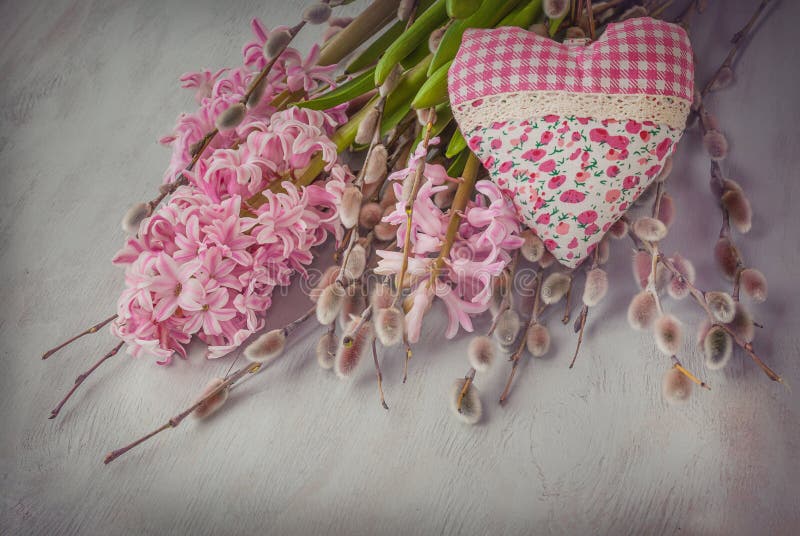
{"type": "Point", "coordinates": [661, 109]}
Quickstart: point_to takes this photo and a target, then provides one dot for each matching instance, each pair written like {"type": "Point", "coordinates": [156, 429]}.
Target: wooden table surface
{"type": "Point", "coordinates": [86, 90]}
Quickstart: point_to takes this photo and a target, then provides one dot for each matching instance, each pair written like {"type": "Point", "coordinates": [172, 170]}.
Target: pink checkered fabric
{"type": "Point", "coordinates": [633, 57]}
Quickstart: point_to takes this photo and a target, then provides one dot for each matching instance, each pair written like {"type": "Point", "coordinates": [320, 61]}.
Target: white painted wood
{"type": "Point", "coordinates": [86, 90]}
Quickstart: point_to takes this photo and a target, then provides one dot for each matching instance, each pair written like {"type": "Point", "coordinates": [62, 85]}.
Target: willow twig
{"type": "Point", "coordinates": [80, 379]}
{"type": "Point", "coordinates": [93, 329]}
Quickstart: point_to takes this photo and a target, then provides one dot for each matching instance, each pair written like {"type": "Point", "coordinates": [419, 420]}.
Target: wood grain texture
{"type": "Point", "coordinates": [86, 90]}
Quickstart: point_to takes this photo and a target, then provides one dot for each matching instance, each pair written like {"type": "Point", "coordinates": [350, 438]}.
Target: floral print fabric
{"type": "Point", "coordinates": [572, 177]}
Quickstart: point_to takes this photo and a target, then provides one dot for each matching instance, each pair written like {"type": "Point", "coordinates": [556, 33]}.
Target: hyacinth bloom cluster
{"type": "Point", "coordinates": [206, 263]}
{"type": "Point", "coordinates": [487, 236]}
{"type": "Point", "coordinates": [217, 91]}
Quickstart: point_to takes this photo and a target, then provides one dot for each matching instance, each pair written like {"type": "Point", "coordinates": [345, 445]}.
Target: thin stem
{"type": "Point", "coordinates": [582, 327]}
{"type": "Point", "coordinates": [515, 357]}
{"type": "Point", "coordinates": [93, 329]}
{"type": "Point", "coordinates": [175, 421]}
{"type": "Point", "coordinates": [409, 354]}
{"type": "Point", "coordinates": [462, 197]}
{"type": "Point", "coordinates": [737, 40]}
{"type": "Point", "coordinates": [567, 299]}
{"type": "Point", "coordinates": [699, 298]}
{"type": "Point", "coordinates": [80, 379]}
{"type": "Point", "coordinates": [378, 372]}
{"type": "Point", "coordinates": [409, 207]}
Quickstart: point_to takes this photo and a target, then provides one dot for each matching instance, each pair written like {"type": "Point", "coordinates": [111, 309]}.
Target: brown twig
{"type": "Point", "coordinates": [80, 379]}
{"type": "Point", "coordinates": [699, 297]}
{"type": "Point", "coordinates": [378, 372]}
{"type": "Point", "coordinates": [250, 368]}
{"type": "Point", "coordinates": [737, 40]}
{"type": "Point", "coordinates": [93, 329]}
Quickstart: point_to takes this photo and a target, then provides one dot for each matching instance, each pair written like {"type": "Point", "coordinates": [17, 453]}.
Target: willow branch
{"type": "Point", "coordinates": [93, 329]}
{"type": "Point", "coordinates": [80, 379]}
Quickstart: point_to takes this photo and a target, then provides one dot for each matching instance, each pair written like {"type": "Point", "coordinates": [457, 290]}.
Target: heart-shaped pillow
{"type": "Point", "coordinates": [573, 133]}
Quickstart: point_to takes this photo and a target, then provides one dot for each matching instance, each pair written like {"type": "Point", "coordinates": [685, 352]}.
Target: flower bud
{"type": "Point", "coordinates": [391, 81]}
{"type": "Point", "coordinates": [277, 43]}
{"type": "Point", "coordinates": [721, 305]}
{"type": "Point", "coordinates": [134, 217]}
{"type": "Point", "coordinates": [675, 386]}
{"type": "Point", "coordinates": [668, 334]}
{"type": "Point", "coordinates": [716, 145]}
{"type": "Point", "coordinates": [385, 231]}
{"type": "Point", "coordinates": [537, 340]}
{"type": "Point", "coordinates": [367, 127]}
{"type": "Point", "coordinates": [717, 348]}
{"type": "Point", "coordinates": [350, 206]}
{"type": "Point", "coordinates": [555, 9]}
{"type": "Point", "coordinates": [326, 350]}
{"type": "Point", "coordinates": [532, 248]}
{"type": "Point", "coordinates": [349, 355]}
{"type": "Point", "coordinates": [678, 287]}
{"type": "Point", "coordinates": [481, 353]}
{"type": "Point", "coordinates": [742, 324]}
{"type": "Point", "coordinates": [727, 257]}
{"type": "Point", "coordinates": [507, 327]}
{"type": "Point", "coordinates": [376, 165]}
{"type": "Point", "coordinates": [231, 117]}
{"type": "Point", "coordinates": [650, 229]}
{"type": "Point", "coordinates": [389, 324]}
{"type": "Point", "coordinates": [330, 303]}
{"type": "Point", "coordinates": [435, 38]}
{"type": "Point", "coordinates": [266, 347]}
{"type": "Point", "coordinates": [642, 310]}
{"type": "Point", "coordinates": [471, 409]}
{"type": "Point", "coordinates": [370, 216]}
{"type": "Point", "coordinates": [328, 277]}
{"type": "Point", "coordinates": [554, 287]}
{"type": "Point", "coordinates": [318, 13]}
{"type": "Point", "coordinates": [753, 284]}
{"type": "Point", "coordinates": [405, 8]}
{"type": "Point", "coordinates": [356, 262]}
{"type": "Point", "coordinates": [540, 29]}
{"type": "Point", "coordinates": [381, 297]}
{"type": "Point", "coordinates": [211, 405]}
{"type": "Point", "coordinates": [596, 286]}
{"type": "Point", "coordinates": [738, 207]}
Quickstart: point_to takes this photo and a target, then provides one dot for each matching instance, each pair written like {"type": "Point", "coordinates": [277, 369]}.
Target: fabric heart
{"type": "Point", "coordinates": [573, 133]}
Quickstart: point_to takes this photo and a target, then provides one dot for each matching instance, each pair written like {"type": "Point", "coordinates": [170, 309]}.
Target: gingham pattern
{"type": "Point", "coordinates": [633, 57]}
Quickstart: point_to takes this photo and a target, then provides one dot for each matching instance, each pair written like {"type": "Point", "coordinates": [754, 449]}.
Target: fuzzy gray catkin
{"type": "Point", "coordinates": [537, 340]}
{"type": "Point", "coordinates": [370, 215]}
{"type": "Point", "coordinates": [355, 263]}
{"type": "Point", "coordinates": [532, 248]}
{"type": "Point", "coordinates": [739, 211]}
{"type": "Point", "coordinates": [231, 117]}
{"type": "Point", "coordinates": [277, 42]}
{"type": "Point", "coordinates": [134, 216]}
{"type": "Point", "coordinates": [317, 13]}
{"type": "Point", "coordinates": [722, 306]}
{"type": "Point", "coordinates": [507, 327]}
{"type": "Point", "coordinates": [367, 127]}
{"type": "Point", "coordinates": [389, 323]}
{"type": "Point", "coordinates": [376, 166]}
{"type": "Point", "coordinates": [405, 8]}
{"type": "Point", "coordinates": [716, 145]}
{"type": "Point", "coordinates": [266, 347]}
{"type": "Point", "coordinates": [215, 402]}
{"type": "Point", "coordinates": [350, 207]}
{"type": "Point", "coordinates": [727, 257]}
{"type": "Point", "coordinates": [675, 386]}
{"type": "Point", "coordinates": [742, 324]}
{"type": "Point", "coordinates": [326, 350]}
{"type": "Point", "coordinates": [717, 348]}
{"type": "Point", "coordinates": [327, 278]}
{"type": "Point", "coordinates": [753, 284]}
{"type": "Point", "coordinates": [554, 287]}
{"type": "Point", "coordinates": [555, 9]}
{"type": "Point", "coordinates": [471, 407]}
{"type": "Point", "coordinates": [668, 334]}
{"type": "Point", "coordinates": [349, 356]}
{"type": "Point", "coordinates": [650, 229]}
{"type": "Point", "coordinates": [330, 303]}
{"type": "Point", "coordinates": [642, 310]}
{"type": "Point", "coordinates": [481, 353]}
{"type": "Point", "coordinates": [596, 287]}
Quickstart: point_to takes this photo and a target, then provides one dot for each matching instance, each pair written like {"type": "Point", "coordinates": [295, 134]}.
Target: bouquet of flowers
{"type": "Point", "coordinates": [370, 141]}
